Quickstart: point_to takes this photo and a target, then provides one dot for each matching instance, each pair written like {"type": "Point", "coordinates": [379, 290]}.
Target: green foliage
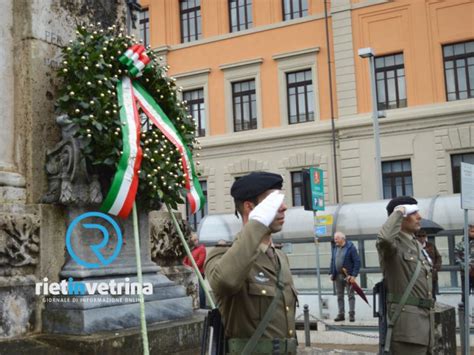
{"type": "Point", "coordinates": [90, 72]}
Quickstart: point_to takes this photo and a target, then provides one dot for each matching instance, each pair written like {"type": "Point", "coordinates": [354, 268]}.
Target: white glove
{"type": "Point", "coordinates": [407, 209]}
{"type": "Point", "coordinates": [266, 210]}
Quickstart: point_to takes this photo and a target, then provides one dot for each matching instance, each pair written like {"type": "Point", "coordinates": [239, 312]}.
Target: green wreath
{"type": "Point", "coordinates": [90, 72]}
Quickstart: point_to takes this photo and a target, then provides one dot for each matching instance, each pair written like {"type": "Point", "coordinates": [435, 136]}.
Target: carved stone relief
{"type": "Point", "coordinates": [69, 182]}
{"type": "Point", "coordinates": [168, 252]}
{"type": "Point", "coordinates": [19, 242]}
{"type": "Point", "coordinates": [166, 247]}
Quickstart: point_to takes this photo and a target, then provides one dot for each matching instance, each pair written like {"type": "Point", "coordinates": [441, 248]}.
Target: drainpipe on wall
{"type": "Point", "coordinates": [333, 127]}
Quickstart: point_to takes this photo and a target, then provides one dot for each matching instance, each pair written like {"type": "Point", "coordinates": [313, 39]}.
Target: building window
{"type": "Point", "coordinates": [240, 13]}
{"type": "Point", "coordinates": [190, 13]}
{"type": "Point", "coordinates": [195, 219]}
{"type": "Point", "coordinates": [195, 104]}
{"type": "Point", "coordinates": [244, 105]}
{"type": "Point", "coordinates": [294, 9]}
{"type": "Point", "coordinates": [297, 188]}
{"type": "Point", "coordinates": [456, 160]}
{"type": "Point", "coordinates": [144, 26]}
{"type": "Point", "coordinates": [397, 180]}
{"type": "Point", "coordinates": [390, 75]}
{"type": "Point", "coordinates": [459, 70]}
{"type": "Point", "coordinates": [300, 96]}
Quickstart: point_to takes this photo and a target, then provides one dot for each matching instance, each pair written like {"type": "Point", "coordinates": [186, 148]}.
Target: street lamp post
{"type": "Point", "coordinates": [369, 53]}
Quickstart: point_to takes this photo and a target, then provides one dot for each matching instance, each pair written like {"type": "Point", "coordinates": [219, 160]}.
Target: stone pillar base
{"type": "Point", "coordinates": [89, 314]}
{"type": "Point", "coordinates": [12, 188]}
{"type": "Point", "coordinates": [183, 337]}
{"type": "Point", "coordinates": [10, 194]}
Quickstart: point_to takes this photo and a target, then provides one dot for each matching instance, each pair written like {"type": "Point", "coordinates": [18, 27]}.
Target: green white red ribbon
{"type": "Point", "coordinates": [121, 196]}
{"type": "Point", "coordinates": [158, 117]}
{"type": "Point", "coordinates": [135, 59]}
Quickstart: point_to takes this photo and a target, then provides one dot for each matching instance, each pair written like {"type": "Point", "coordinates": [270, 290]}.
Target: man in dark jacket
{"type": "Point", "coordinates": [345, 265]}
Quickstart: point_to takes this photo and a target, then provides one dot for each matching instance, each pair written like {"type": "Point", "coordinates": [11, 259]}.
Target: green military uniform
{"type": "Point", "coordinates": [243, 278]}
{"type": "Point", "coordinates": [398, 254]}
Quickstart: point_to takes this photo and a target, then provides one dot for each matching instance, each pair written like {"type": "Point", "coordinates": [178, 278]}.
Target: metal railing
{"type": "Point", "coordinates": [360, 242]}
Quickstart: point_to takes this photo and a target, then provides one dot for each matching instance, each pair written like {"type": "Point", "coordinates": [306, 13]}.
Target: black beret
{"type": "Point", "coordinates": [250, 186]}
{"type": "Point", "coordinates": [400, 200]}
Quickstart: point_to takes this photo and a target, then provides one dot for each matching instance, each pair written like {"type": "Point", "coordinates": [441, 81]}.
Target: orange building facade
{"type": "Point", "coordinates": [256, 78]}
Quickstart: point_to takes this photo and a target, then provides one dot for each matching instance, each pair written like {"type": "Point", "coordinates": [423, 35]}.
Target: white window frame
{"type": "Point", "coordinates": [240, 71]}
{"type": "Point", "coordinates": [295, 61]}
{"type": "Point", "coordinates": [196, 79]}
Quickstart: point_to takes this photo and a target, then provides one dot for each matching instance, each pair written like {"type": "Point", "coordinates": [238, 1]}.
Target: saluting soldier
{"type": "Point", "coordinates": [251, 280]}
{"type": "Point", "coordinates": [408, 277]}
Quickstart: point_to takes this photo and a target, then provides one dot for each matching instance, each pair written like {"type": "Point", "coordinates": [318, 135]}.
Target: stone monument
{"type": "Point", "coordinates": [71, 186]}
{"type": "Point", "coordinates": [33, 216]}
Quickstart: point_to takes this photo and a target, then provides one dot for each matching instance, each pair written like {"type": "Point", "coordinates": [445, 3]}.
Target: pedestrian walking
{"type": "Point", "coordinates": [434, 257]}
{"type": "Point", "coordinates": [251, 279]}
{"type": "Point", "coordinates": [345, 265]}
{"type": "Point", "coordinates": [408, 279]}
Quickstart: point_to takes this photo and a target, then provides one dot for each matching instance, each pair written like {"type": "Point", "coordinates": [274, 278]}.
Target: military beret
{"type": "Point", "coordinates": [250, 186]}
{"type": "Point", "coordinates": [400, 200]}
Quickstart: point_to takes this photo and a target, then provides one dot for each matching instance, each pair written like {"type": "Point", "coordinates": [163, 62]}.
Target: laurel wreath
{"type": "Point", "coordinates": [89, 73]}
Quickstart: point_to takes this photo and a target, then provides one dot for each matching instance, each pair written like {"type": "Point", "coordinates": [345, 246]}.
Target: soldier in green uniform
{"type": "Point", "coordinates": [408, 278]}
{"type": "Point", "coordinates": [251, 280]}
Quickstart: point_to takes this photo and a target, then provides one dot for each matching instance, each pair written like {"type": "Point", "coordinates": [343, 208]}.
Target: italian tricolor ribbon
{"type": "Point", "coordinates": [121, 196]}
{"type": "Point", "coordinates": [135, 59]}
{"type": "Point", "coordinates": [158, 117]}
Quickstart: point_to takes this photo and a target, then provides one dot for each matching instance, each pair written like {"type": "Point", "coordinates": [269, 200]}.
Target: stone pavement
{"type": "Point", "coordinates": [333, 349]}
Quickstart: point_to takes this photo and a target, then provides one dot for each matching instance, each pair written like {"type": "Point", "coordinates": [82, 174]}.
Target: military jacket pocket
{"type": "Point", "coordinates": [410, 257]}
{"type": "Point", "coordinates": [260, 295]}
{"type": "Point", "coordinates": [413, 325]}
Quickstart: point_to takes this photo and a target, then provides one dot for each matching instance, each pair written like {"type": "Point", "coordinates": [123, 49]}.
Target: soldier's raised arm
{"type": "Point", "coordinates": [391, 228]}
{"type": "Point", "coordinates": [227, 270]}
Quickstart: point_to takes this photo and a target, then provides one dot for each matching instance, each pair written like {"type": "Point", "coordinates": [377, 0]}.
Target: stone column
{"type": "Point", "coordinates": [11, 182]}
{"type": "Point", "coordinates": [32, 234]}
{"type": "Point", "coordinates": [40, 28]}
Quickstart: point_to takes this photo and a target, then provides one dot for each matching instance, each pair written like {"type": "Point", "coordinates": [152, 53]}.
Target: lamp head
{"type": "Point", "coordinates": [366, 52]}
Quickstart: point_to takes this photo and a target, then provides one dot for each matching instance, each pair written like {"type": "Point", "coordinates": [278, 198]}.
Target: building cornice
{"type": "Point", "coordinates": [262, 135]}
{"type": "Point", "coordinates": [192, 73]}
{"type": "Point", "coordinates": [250, 31]}
{"type": "Point", "coordinates": [163, 50]}
{"type": "Point", "coordinates": [298, 53]}
{"type": "Point", "coordinates": [400, 120]}
{"type": "Point", "coordinates": [412, 114]}
{"type": "Point", "coordinates": [241, 64]}
{"type": "Point", "coordinates": [264, 144]}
